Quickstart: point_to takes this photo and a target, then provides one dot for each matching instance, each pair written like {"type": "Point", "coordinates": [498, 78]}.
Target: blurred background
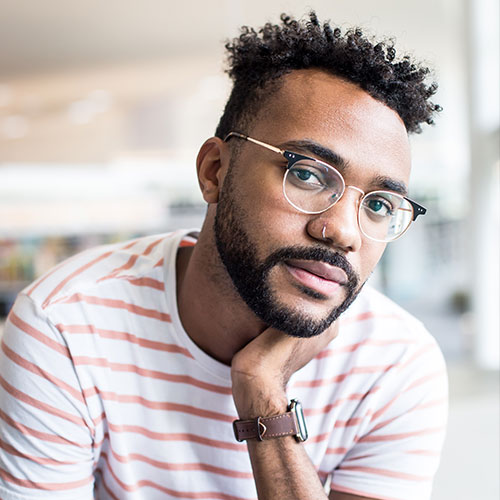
{"type": "Point", "coordinates": [103, 106]}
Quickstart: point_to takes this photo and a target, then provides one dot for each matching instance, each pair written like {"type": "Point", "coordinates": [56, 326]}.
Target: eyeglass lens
{"type": "Point", "coordinates": [313, 187]}
{"type": "Point", "coordinates": [384, 216]}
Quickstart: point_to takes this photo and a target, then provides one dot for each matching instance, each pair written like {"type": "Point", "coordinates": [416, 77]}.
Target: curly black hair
{"type": "Point", "coordinates": [258, 59]}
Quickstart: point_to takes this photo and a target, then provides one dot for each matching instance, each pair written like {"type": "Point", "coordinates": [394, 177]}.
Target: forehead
{"type": "Point", "coordinates": [314, 105]}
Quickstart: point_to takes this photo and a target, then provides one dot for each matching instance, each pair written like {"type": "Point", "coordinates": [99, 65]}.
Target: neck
{"type": "Point", "coordinates": [210, 309]}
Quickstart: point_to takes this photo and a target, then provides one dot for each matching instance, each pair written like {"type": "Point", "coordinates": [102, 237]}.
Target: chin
{"type": "Point", "coordinates": [299, 321]}
{"type": "Point", "coordinates": [304, 315]}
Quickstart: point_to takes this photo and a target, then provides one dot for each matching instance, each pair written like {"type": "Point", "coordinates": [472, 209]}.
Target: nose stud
{"type": "Point", "coordinates": [323, 232]}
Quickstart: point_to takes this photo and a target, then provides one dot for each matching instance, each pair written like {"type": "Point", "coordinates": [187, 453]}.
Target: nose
{"type": "Point", "coordinates": [339, 226]}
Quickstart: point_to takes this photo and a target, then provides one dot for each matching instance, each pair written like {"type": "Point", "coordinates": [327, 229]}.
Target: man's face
{"type": "Point", "coordinates": [291, 277]}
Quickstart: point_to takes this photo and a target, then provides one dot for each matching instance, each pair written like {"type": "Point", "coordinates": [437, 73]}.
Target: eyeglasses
{"type": "Point", "coordinates": [312, 187]}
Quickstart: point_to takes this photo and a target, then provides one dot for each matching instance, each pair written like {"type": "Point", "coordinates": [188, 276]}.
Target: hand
{"type": "Point", "coordinates": [261, 370]}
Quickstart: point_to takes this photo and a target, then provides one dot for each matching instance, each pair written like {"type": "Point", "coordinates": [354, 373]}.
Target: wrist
{"type": "Point", "coordinates": [256, 395]}
{"type": "Point", "coordinates": [259, 402]}
{"type": "Point", "coordinates": [289, 423]}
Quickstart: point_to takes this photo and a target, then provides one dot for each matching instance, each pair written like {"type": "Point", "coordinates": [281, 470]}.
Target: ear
{"type": "Point", "coordinates": [211, 165]}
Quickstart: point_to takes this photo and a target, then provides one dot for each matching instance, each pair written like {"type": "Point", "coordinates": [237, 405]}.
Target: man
{"type": "Point", "coordinates": [174, 366]}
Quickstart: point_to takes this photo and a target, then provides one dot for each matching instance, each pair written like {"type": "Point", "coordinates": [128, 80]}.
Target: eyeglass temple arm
{"type": "Point", "coordinates": [255, 141]}
{"type": "Point", "coordinates": [417, 209]}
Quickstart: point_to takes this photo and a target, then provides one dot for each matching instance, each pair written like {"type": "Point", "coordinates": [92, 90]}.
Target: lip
{"type": "Point", "coordinates": [319, 276]}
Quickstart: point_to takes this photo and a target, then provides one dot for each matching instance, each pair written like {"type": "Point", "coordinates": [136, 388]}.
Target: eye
{"type": "Point", "coordinates": [306, 177]}
{"type": "Point", "coordinates": [379, 206]}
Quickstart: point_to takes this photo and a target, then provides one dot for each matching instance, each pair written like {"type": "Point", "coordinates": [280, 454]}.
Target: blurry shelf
{"type": "Point", "coordinates": [12, 287]}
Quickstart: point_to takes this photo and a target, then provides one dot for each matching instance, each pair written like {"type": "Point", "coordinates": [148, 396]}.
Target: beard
{"type": "Point", "coordinates": [251, 277]}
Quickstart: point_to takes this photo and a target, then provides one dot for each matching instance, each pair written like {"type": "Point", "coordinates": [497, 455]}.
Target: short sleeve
{"type": "Point", "coordinates": [396, 453]}
{"type": "Point", "coordinates": [46, 433]}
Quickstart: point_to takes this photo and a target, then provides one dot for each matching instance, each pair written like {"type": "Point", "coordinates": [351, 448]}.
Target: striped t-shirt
{"type": "Point", "coordinates": [104, 395]}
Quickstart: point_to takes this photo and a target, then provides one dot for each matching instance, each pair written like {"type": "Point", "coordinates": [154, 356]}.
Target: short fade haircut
{"type": "Point", "coordinates": [257, 60]}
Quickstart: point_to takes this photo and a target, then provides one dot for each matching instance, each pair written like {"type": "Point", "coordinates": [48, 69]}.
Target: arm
{"type": "Point", "coordinates": [260, 372]}
{"type": "Point", "coordinates": [45, 429]}
{"type": "Point", "coordinates": [283, 470]}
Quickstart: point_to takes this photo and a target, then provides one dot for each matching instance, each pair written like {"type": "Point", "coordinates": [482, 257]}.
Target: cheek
{"type": "Point", "coordinates": [273, 224]}
{"type": "Point", "coordinates": [276, 224]}
{"type": "Point", "coordinates": [265, 206]}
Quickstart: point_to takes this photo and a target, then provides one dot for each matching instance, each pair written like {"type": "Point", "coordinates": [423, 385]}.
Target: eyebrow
{"type": "Point", "coordinates": [331, 157]}
{"type": "Point", "coordinates": [386, 183]}
{"type": "Point", "coordinates": [325, 154]}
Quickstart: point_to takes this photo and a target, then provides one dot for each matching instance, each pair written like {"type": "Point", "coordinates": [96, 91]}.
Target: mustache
{"type": "Point", "coordinates": [319, 254]}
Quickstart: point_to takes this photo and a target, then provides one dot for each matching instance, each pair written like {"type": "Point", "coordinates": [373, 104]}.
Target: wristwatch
{"type": "Point", "coordinates": [291, 423]}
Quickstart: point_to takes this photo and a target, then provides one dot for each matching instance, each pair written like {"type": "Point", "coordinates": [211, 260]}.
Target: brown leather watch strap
{"type": "Point", "coordinates": [266, 427]}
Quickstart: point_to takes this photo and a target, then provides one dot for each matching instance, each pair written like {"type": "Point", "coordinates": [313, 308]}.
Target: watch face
{"type": "Point", "coordinates": [296, 407]}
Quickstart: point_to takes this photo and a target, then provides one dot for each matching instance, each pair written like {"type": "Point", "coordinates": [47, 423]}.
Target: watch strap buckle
{"type": "Point", "coordinates": [261, 429]}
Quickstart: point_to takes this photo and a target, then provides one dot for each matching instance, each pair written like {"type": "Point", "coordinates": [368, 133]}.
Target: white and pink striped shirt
{"type": "Point", "coordinates": [104, 395]}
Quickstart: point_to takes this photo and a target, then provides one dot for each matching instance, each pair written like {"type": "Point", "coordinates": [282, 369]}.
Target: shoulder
{"type": "Point", "coordinates": [380, 344]}
{"type": "Point", "coordinates": [374, 305]}
{"type": "Point", "coordinates": [383, 340]}
{"type": "Point", "coordinates": [133, 261]}
{"type": "Point", "coordinates": [401, 418]}
{"type": "Point", "coordinates": [373, 315]}
{"type": "Point", "coordinates": [380, 350]}
{"type": "Point", "coordinates": [388, 400]}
